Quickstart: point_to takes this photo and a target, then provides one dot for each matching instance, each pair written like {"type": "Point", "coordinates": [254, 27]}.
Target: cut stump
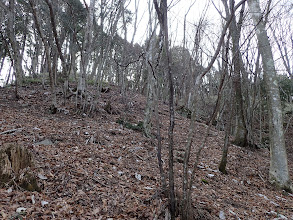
{"type": "Point", "coordinates": [15, 164]}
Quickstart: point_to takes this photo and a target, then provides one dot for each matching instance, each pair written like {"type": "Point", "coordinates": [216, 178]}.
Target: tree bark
{"type": "Point", "coordinates": [16, 55]}
{"type": "Point", "coordinates": [65, 73]}
{"type": "Point", "coordinates": [240, 134]}
{"type": "Point", "coordinates": [187, 184]}
{"type": "Point", "coordinates": [163, 19]}
{"type": "Point", "coordinates": [278, 174]}
{"type": "Point", "coordinates": [86, 50]}
{"type": "Point", "coordinates": [150, 53]}
{"type": "Point", "coordinates": [53, 106]}
{"type": "Point", "coordinates": [223, 163]}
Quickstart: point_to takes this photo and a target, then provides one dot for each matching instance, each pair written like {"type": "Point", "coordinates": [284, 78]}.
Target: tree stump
{"type": "Point", "coordinates": [15, 164]}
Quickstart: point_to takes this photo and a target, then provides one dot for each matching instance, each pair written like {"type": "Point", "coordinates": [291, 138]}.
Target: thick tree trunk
{"type": "Point", "coordinates": [279, 174]}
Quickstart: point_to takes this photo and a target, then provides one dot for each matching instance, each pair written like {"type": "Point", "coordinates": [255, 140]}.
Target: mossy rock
{"type": "Point", "coordinates": [15, 163]}
{"type": "Point", "coordinates": [135, 127]}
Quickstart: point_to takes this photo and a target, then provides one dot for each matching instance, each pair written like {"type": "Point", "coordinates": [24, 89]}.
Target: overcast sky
{"type": "Point", "coordinates": [176, 13]}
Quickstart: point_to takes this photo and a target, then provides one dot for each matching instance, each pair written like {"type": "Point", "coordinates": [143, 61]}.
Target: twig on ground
{"type": "Point", "coordinates": [11, 131]}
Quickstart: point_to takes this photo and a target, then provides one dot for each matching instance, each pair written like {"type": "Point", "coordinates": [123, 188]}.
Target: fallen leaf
{"type": "Point", "coordinates": [20, 209]}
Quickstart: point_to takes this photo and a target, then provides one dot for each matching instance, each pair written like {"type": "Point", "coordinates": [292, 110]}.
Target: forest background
{"type": "Point", "coordinates": [225, 63]}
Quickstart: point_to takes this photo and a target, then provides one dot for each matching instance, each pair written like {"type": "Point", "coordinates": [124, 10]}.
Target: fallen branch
{"type": "Point", "coordinates": [261, 177]}
{"type": "Point", "coordinates": [11, 131]}
{"type": "Point", "coordinates": [138, 156]}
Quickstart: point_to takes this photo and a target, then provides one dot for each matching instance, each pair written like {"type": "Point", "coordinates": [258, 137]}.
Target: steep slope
{"type": "Point", "coordinates": [91, 167]}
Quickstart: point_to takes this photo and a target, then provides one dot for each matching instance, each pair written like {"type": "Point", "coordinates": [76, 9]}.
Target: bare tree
{"type": "Point", "coordinates": [15, 46]}
{"type": "Point", "coordinates": [163, 19]}
{"type": "Point", "coordinates": [47, 53]}
{"type": "Point", "coordinates": [240, 137]}
{"type": "Point", "coordinates": [188, 182]}
{"type": "Point", "coordinates": [279, 173]}
{"type": "Point", "coordinates": [150, 62]}
{"type": "Point", "coordinates": [86, 48]}
{"type": "Point", "coordinates": [107, 48]}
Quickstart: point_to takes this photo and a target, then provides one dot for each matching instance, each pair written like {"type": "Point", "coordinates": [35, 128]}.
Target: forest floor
{"type": "Point", "coordinates": [91, 167]}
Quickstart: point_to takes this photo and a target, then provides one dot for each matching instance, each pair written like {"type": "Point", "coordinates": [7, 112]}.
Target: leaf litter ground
{"type": "Point", "coordinates": [91, 167]}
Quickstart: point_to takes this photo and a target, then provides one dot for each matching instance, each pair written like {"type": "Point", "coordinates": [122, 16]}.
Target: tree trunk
{"type": "Point", "coordinates": [86, 50]}
{"type": "Point", "coordinates": [187, 185]}
{"type": "Point", "coordinates": [223, 163]}
{"type": "Point", "coordinates": [150, 53]}
{"type": "Point", "coordinates": [279, 174]}
{"type": "Point", "coordinates": [53, 107]}
{"type": "Point", "coordinates": [240, 134]}
{"type": "Point", "coordinates": [163, 19]}
{"type": "Point", "coordinates": [16, 56]}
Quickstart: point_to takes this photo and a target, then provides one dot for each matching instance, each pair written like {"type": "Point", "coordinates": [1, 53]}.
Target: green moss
{"type": "Point", "coordinates": [27, 80]}
{"type": "Point", "coordinates": [120, 121]}
{"type": "Point", "coordinates": [91, 82]}
{"type": "Point", "coordinates": [140, 124]}
{"type": "Point", "coordinates": [205, 181]}
{"type": "Point", "coordinates": [127, 124]}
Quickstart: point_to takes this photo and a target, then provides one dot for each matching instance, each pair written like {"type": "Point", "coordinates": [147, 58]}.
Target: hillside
{"type": "Point", "coordinates": [91, 167]}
